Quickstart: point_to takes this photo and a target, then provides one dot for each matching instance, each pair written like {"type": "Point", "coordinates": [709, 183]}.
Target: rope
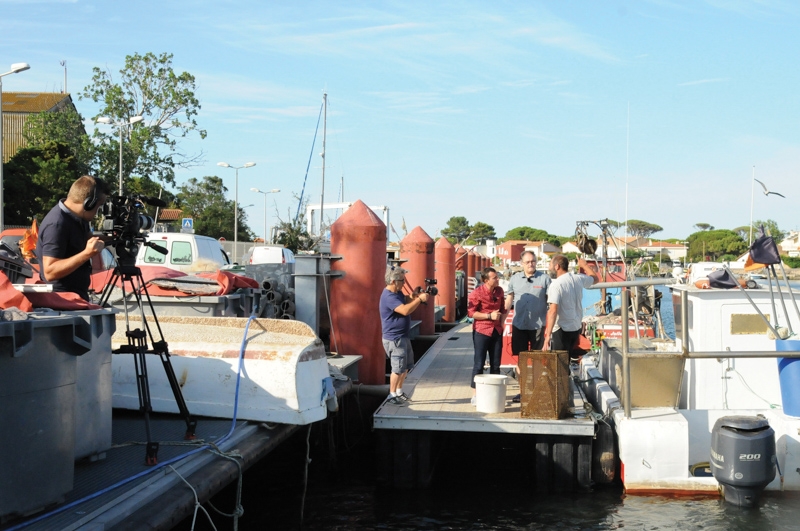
{"type": "Point", "coordinates": [305, 475]}
{"type": "Point", "coordinates": [310, 156]}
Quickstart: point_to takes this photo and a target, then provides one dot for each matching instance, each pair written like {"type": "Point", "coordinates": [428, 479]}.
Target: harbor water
{"type": "Point", "coordinates": [482, 482]}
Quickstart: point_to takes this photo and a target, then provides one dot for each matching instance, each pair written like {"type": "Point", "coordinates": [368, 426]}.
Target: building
{"type": "Point", "coordinates": [18, 106]}
{"type": "Point", "coordinates": [674, 251]}
{"type": "Point", "coordinates": [790, 245]}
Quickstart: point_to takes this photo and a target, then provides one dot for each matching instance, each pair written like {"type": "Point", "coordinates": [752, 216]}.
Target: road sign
{"type": "Point", "coordinates": [187, 223]}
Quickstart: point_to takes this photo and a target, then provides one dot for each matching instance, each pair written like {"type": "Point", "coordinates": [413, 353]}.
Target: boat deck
{"type": "Point", "coordinates": [120, 491]}
{"type": "Point", "coordinates": [440, 398]}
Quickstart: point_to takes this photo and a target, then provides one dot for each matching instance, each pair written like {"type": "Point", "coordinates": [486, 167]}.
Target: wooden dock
{"type": "Point", "coordinates": [440, 402]}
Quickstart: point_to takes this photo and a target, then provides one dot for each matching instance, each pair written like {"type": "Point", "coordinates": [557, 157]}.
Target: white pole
{"type": "Point", "coordinates": [324, 129]}
{"type": "Point", "coordinates": [752, 193]}
{"type": "Point", "coordinates": [236, 216]}
{"type": "Point", "coordinates": [120, 158]}
{"type": "Point", "coordinates": [627, 166]}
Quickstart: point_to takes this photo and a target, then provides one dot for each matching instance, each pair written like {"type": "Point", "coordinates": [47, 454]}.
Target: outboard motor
{"type": "Point", "coordinates": [743, 457]}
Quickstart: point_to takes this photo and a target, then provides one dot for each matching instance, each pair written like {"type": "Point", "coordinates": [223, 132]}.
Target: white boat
{"type": "Point", "coordinates": [664, 397]}
{"type": "Point", "coordinates": [283, 379]}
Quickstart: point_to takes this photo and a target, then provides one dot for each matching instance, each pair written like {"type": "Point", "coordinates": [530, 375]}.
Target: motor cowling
{"type": "Point", "coordinates": [743, 457]}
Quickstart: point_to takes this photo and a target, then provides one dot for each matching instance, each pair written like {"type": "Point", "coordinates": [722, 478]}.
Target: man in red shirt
{"type": "Point", "coordinates": [486, 306]}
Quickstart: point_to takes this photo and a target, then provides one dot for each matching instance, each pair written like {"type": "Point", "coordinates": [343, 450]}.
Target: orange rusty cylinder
{"type": "Point", "coordinates": [359, 236]}
{"type": "Point", "coordinates": [417, 249]}
{"type": "Point", "coordinates": [445, 274]}
{"type": "Point", "coordinates": [472, 261]}
{"type": "Point", "coordinates": [461, 259]}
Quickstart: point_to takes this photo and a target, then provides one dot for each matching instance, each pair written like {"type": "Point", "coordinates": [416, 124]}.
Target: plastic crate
{"type": "Point", "coordinates": [544, 384]}
{"type": "Point", "coordinates": [93, 382]}
{"type": "Point", "coordinates": [38, 365]}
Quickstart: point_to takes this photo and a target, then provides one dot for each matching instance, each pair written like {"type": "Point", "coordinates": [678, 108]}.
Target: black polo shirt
{"type": "Point", "coordinates": [63, 234]}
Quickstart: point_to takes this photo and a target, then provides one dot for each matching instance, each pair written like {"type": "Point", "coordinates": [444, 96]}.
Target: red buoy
{"type": "Point", "coordinates": [417, 249]}
{"type": "Point", "coordinates": [445, 274]}
{"type": "Point", "coordinates": [359, 236]}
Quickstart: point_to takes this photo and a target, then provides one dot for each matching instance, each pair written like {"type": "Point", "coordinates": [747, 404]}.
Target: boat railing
{"type": "Point", "coordinates": [628, 354]}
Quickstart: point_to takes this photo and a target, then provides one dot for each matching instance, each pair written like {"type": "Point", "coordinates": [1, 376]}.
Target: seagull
{"type": "Point", "coordinates": [767, 192]}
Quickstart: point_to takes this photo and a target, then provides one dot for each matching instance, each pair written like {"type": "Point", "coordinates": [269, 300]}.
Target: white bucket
{"type": "Point", "coordinates": [490, 393]}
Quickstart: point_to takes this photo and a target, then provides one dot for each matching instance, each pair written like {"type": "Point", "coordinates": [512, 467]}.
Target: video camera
{"type": "Point", "coordinates": [126, 224]}
{"type": "Point", "coordinates": [430, 287]}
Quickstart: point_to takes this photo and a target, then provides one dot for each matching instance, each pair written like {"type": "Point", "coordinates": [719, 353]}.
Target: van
{"type": "Point", "coordinates": [185, 252]}
{"type": "Point", "coordinates": [273, 262]}
{"type": "Point", "coordinates": [268, 254]}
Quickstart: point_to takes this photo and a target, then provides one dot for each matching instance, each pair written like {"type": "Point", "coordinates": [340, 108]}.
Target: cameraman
{"type": "Point", "coordinates": [66, 244]}
{"type": "Point", "coordinates": [396, 309]}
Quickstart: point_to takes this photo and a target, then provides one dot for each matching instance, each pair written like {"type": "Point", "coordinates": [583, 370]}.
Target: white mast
{"type": "Point", "coordinates": [752, 192]}
{"type": "Point", "coordinates": [324, 128]}
{"type": "Point", "coordinates": [627, 164]}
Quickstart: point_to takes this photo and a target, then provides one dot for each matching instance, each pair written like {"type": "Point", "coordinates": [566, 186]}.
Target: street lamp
{"type": "Point", "coordinates": [16, 68]}
{"type": "Point", "coordinates": [273, 191]}
{"type": "Point", "coordinates": [236, 203]}
{"type": "Point", "coordinates": [120, 124]}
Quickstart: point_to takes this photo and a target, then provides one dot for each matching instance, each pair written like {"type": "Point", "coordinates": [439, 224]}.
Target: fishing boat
{"type": "Point", "coordinates": [670, 401]}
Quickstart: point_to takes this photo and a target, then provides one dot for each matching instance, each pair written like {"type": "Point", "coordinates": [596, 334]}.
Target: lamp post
{"type": "Point", "coordinates": [273, 191]}
{"type": "Point", "coordinates": [120, 124]}
{"type": "Point", "coordinates": [236, 204]}
{"type": "Point", "coordinates": [16, 68]}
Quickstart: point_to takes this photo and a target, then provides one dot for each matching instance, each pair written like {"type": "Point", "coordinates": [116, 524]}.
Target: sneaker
{"type": "Point", "coordinates": [473, 400]}
{"type": "Point", "coordinates": [404, 397]}
{"type": "Point", "coordinates": [396, 400]}
{"type": "Point", "coordinates": [516, 399]}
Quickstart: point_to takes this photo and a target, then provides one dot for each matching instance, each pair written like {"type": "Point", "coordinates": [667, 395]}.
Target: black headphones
{"type": "Point", "coordinates": [91, 200]}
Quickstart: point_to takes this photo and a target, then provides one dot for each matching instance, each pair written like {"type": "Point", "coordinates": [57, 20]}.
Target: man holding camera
{"type": "Point", "coordinates": [396, 309]}
{"type": "Point", "coordinates": [527, 294]}
{"type": "Point", "coordinates": [66, 245]}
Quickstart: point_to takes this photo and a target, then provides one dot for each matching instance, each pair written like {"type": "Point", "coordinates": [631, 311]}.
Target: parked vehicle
{"type": "Point", "coordinates": [185, 252]}
{"type": "Point", "coordinates": [268, 254]}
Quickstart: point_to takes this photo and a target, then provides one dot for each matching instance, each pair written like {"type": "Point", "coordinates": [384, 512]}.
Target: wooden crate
{"type": "Point", "coordinates": [544, 384]}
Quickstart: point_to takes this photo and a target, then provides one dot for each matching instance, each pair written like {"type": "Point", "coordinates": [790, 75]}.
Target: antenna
{"type": "Point", "coordinates": [63, 63]}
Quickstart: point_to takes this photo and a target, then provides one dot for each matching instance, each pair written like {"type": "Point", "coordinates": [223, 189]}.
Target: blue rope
{"type": "Point", "coordinates": [310, 156]}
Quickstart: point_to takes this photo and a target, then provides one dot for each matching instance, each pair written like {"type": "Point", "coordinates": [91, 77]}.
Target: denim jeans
{"type": "Point", "coordinates": [484, 344]}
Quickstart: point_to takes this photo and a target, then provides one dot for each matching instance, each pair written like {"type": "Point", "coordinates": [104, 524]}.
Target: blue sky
{"type": "Point", "coordinates": [510, 113]}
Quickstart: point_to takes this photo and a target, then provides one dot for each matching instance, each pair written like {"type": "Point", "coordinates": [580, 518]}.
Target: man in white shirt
{"type": "Point", "coordinates": [565, 296]}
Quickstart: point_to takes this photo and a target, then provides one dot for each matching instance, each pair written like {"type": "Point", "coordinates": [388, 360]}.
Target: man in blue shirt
{"type": "Point", "coordinates": [396, 309]}
{"type": "Point", "coordinates": [66, 245]}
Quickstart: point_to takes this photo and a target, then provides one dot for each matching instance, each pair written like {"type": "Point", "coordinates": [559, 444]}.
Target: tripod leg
{"type": "Point", "coordinates": [143, 386]}
{"type": "Point", "coordinates": [191, 423]}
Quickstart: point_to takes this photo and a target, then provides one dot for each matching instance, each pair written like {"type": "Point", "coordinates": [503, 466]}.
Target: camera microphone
{"type": "Point", "coordinates": [153, 201]}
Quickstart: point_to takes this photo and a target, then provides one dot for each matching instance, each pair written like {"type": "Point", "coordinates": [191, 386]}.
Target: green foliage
{"type": "Point", "coordinates": [213, 214]}
{"type": "Point", "coordinates": [534, 235]}
{"type": "Point", "coordinates": [703, 226]}
{"type": "Point", "coordinates": [791, 261]}
{"type": "Point", "coordinates": [481, 232]}
{"type": "Point", "coordinates": [714, 244]}
{"type": "Point", "coordinates": [66, 127]}
{"type": "Point", "coordinates": [148, 87]}
{"type": "Point", "coordinates": [36, 178]}
{"type": "Point", "coordinates": [293, 235]}
{"type": "Point", "coordinates": [771, 227]}
{"type": "Point", "coordinates": [457, 229]}
{"type": "Point", "coordinates": [642, 229]}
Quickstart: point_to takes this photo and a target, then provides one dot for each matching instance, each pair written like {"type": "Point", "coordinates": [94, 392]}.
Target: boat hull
{"type": "Point", "coordinates": [282, 379]}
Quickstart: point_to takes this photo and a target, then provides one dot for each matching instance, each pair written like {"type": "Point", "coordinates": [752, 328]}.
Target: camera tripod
{"type": "Point", "coordinates": [137, 345]}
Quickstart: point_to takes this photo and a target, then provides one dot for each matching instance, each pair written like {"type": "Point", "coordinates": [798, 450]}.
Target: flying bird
{"type": "Point", "coordinates": [767, 192]}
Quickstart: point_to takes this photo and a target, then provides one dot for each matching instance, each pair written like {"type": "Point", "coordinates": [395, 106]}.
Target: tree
{"type": "Point", "coordinates": [293, 234]}
{"type": "Point", "coordinates": [533, 235]}
{"type": "Point", "coordinates": [703, 226]}
{"type": "Point", "coordinates": [771, 227]}
{"type": "Point", "coordinates": [743, 231]}
{"type": "Point", "coordinates": [213, 214]}
{"type": "Point", "coordinates": [714, 244]}
{"type": "Point", "coordinates": [150, 88]}
{"type": "Point", "coordinates": [642, 229]}
{"type": "Point", "coordinates": [457, 229]}
{"type": "Point", "coordinates": [66, 127]}
{"type": "Point", "coordinates": [481, 232]}
{"type": "Point", "coordinates": [37, 177]}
